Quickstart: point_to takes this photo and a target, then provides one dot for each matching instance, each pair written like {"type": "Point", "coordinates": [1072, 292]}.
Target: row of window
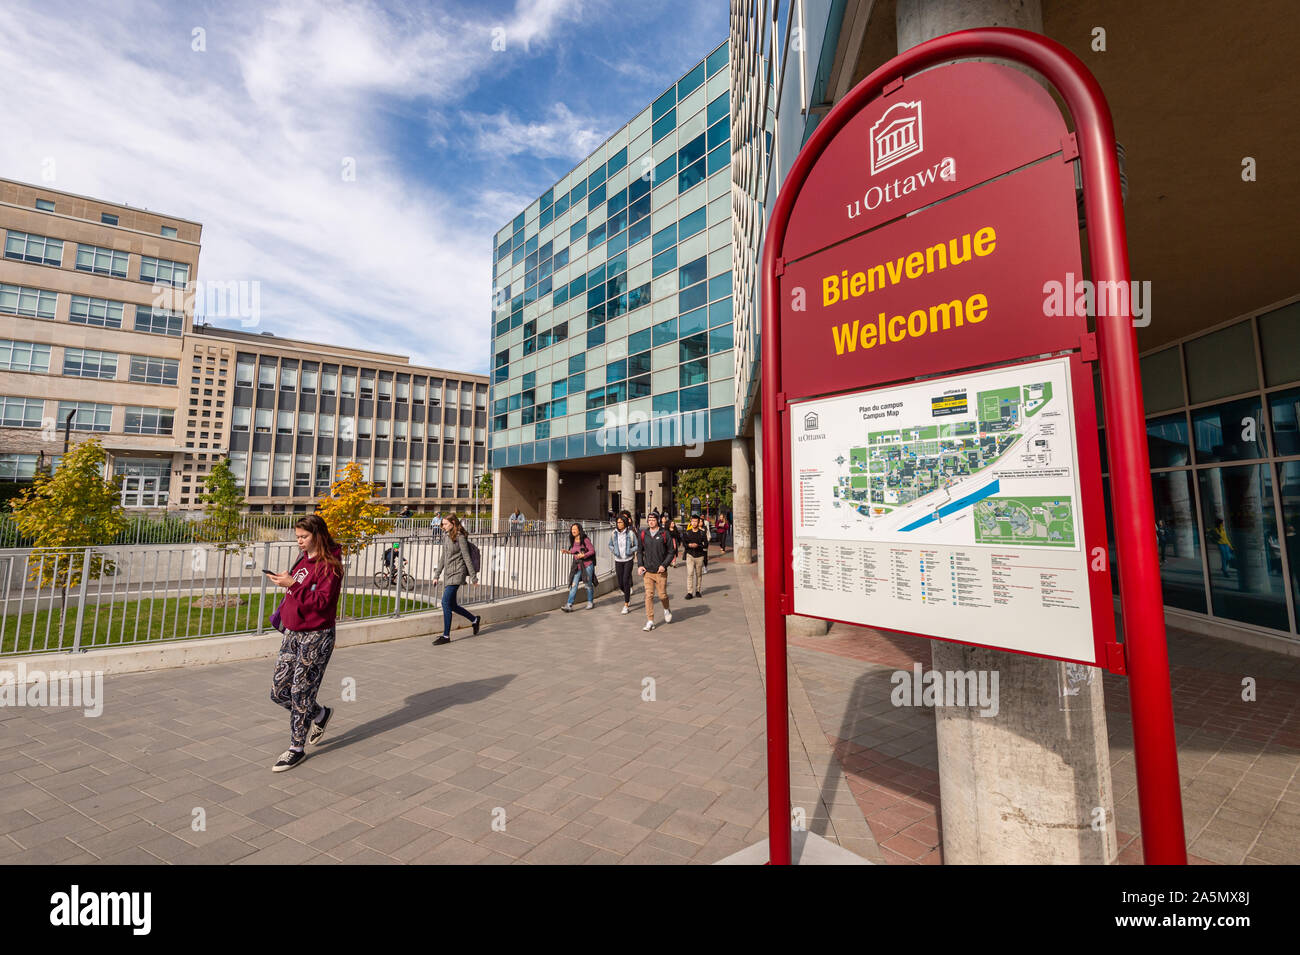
{"type": "Point", "coordinates": [107, 218]}
{"type": "Point", "coordinates": [87, 363]}
{"type": "Point", "coordinates": [43, 250]}
{"type": "Point", "coordinates": [307, 422]}
{"type": "Point", "coordinates": [327, 380]}
{"type": "Point", "coordinates": [283, 470]}
{"type": "Point", "coordinates": [88, 310]}
{"type": "Point", "coordinates": [16, 412]}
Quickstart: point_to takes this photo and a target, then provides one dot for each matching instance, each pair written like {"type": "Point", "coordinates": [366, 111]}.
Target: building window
{"type": "Point", "coordinates": [33, 248]}
{"type": "Point", "coordinates": [159, 321]}
{"type": "Point", "coordinates": [284, 422]}
{"type": "Point", "coordinates": [306, 422]}
{"type": "Point", "coordinates": [326, 425]}
{"type": "Point", "coordinates": [45, 205]}
{"type": "Point", "coordinates": [108, 218]}
{"type": "Point", "coordinates": [31, 302]}
{"type": "Point", "coordinates": [329, 382]}
{"type": "Point", "coordinates": [155, 371]}
{"type": "Point", "coordinates": [85, 363]}
{"type": "Point", "coordinates": [244, 373]}
{"type": "Point", "coordinates": [169, 232]}
{"type": "Point", "coordinates": [101, 261]}
{"type": "Point", "coordinates": [288, 377]}
{"type": "Point", "coordinates": [96, 311]}
{"type": "Point", "coordinates": [164, 272]}
{"type": "Point", "coordinates": [385, 389]}
{"type": "Point", "coordinates": [90, 416]}
{"type": "Point", "coordinates": [239, 420]}
{"type": "Point", "coordinates": [367, 385]}
{"type": "Point", "coordinates": [262, 420]}
{"type": "Point", "coordinates": [21, 412]}
{"type": "Point", "coordinates": [17, 467]}
{"type": "Point", "coordinates": [308, 380]}
{"type": "Point", "coordinates": [24, 356]}
{"type": "Point", "coordinates": [349, 386]}
{"type": "Point", "coordinates": [266, 376]}
{"type": "Point", "coordinates": [239, 465]}
{"type": "Point", "coordinates": [148, 420]}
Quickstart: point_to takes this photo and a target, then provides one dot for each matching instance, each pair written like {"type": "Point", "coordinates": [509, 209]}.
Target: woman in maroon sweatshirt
{"type": "Point", "coordinates": [307, 616]}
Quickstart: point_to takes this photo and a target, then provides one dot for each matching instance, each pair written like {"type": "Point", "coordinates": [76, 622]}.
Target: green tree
{"type": "Point", "coordinates": [66, 512]}
{"type": "Point", "coordinates": [711, 485]}
{"type": "Point", "coordinates": [349, 511]}
{"type": "Point", "coordinates": [223, 526]}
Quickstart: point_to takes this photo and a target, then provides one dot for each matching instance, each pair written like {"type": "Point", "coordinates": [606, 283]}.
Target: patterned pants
{"type": "Point", "coordinates": [298, 675]}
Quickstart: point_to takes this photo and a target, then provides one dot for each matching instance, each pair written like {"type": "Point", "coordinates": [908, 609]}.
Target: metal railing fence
{"type": "Point", "coordinates": [77, 599]}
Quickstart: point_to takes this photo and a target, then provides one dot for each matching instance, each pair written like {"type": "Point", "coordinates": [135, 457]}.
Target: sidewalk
{"type": "Point", "coordinates": [541, 727]}
{"type": "Point", "coordinates": [1239, 761]}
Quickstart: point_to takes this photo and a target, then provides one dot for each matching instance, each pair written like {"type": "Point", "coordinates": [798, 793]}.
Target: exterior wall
{"type": "Point", "coordinates": [76, 221]}
{"type": "Point", "coordinates": [619, 307]}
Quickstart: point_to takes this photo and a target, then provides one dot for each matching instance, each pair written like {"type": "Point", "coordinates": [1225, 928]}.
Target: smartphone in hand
{"type": "Point", "coordinates": [269, 573]}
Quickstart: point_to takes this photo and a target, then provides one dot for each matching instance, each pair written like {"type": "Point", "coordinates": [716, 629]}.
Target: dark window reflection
{"type": "Point", "coordinates": [1232, 431]}
{"type": "Point", "coordinates": [1167, 443]}
{"type": "Point", "coordinates": [1242, 544]}
{"type": "Point", "coordinates": [1178, 540]}
{"type": "Point", "coordinates": [1285, 408]}
{"type": "Point", "coordinates": [1289, 483]}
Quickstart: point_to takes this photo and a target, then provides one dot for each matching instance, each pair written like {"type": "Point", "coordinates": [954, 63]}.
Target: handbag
{"type": "Point", "coordinates": [275, 618]}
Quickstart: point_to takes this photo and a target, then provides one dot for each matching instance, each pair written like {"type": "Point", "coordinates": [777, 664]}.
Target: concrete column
{"type": "Point", "coordinates": [627, 483]}
{"type": "Point", "coordinates": [742, 502]}
{"type": "Point", "coordinates": [552, 515]}
{"type": "Point", "coordinates": [498, 519]}
{"type": "Point", "coordinates": [1028, 784]}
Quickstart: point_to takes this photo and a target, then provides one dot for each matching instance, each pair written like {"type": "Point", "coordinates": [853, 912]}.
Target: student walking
{"type": "Point", "coordinates": [584, 567]}
{"type": "Point", "coordinates": [516, 527]}
{"type": "Point", "coordinates": [720, 528]}
{"type": "Point", "coordinates": [307, 617]}
{"type": "Point", "coordinates": [624, 546]}
{"type": "Point", "coordinates": [696, 541]}
{"type": "Point", "coordinates": [455, 566]}
{"type": "Point", "coordinates": [657, 554]}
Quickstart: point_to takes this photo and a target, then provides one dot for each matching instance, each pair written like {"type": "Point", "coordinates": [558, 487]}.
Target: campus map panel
{"type": "Point", "coordinates": [949, 507]}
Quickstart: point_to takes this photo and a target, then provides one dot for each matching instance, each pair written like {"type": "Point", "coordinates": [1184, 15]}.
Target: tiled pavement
{"type": "Point", "coordinates": [540, 724]}
{"type": "Point", "coordinates": [1239, 760]}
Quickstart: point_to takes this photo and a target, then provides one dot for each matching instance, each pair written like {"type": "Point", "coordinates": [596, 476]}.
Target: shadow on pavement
{"type": "Point", "coordinates": [419, 706]}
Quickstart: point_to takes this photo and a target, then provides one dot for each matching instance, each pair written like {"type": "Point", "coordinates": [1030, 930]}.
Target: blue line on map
{"type": "Point", "coordinates": [987, 491]}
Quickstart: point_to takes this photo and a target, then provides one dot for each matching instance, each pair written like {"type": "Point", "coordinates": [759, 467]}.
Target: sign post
{"type": "Point", "coordinates": [910, 249]}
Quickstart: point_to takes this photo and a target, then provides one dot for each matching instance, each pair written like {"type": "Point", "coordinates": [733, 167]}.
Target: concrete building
{"type": "Point", "coordinates": [93, 311]}
{"type": "Point", "coordinates": [615, 349]}
{"type": "Point", "coordinates": [291, 413]}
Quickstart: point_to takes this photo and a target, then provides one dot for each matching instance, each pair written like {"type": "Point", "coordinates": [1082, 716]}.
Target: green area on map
{"type": "Point", "coordinates": [1025, 521]}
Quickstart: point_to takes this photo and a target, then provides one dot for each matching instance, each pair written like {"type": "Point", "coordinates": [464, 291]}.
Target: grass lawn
{"type": "Point", "coordinates": [164, 618]}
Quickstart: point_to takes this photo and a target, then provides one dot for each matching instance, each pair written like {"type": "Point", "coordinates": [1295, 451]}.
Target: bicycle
{"type": "Point", "coordinates": [387, 576]}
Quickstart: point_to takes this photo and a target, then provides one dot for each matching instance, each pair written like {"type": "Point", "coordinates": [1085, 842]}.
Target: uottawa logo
{"type": "Point", "coordinates": [896, 135]}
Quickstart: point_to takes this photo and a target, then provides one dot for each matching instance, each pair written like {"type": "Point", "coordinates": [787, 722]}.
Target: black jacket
{"type": "Point", "coordinates": [657, 550]}
{"type": "Point", "coordinates": [700, 537]}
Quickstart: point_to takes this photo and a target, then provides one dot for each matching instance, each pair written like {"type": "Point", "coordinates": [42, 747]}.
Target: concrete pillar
{"type": "Point", "coordinates": [498, 519]}
{"type": "Point", "coordinates": [552, 515]}
{"type": "Point", "coordinates": [1028, 784]}
{"type": "Point", "coordinates": [627, 483]}
{"type": "Point", "coordinates": [742, 501]}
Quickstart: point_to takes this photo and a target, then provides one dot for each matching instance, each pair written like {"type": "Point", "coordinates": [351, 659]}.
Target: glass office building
{"type": "Point", "coordinates": [613, 322]}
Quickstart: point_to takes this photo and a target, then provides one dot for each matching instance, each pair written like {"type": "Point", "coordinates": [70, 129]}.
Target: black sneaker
{"type": "Point", "coordinates": [288, 760]}
{"type": "Point", "coordinates": [317, 732]}
{"type": "Point", "coordinates": [697, 593]}
{"type": "Point", "coordinates": [477, 621]}
{"type": "Point", "coordinates": [441, 640]}
{"type": "Point", "coordinates": [688, 596]}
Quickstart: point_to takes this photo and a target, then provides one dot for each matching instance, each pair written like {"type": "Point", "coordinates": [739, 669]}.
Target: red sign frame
{"type": "Point", "coordinates": [1145, 650]}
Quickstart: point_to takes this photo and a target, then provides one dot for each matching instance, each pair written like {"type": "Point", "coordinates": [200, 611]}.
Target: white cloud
{"type": "Point", "coordinates": [249, 138]}
{"type": "Point", "coordinates": [564, 135]}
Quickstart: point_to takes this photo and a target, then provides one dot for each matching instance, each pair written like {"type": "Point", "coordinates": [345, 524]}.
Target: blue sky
{"type": "Point", "coordinates": [249, 135]}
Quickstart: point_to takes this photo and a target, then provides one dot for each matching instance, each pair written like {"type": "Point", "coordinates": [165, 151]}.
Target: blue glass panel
{"type": "Point", "coordinates": [639, 231]}
{"type": "Point", "coordinates": [638, 296]}
{"type": "Point", "coordinates": [560, 388]}
{"type": "Point", "coordinates": [664, 262]}
{"type": "Point", "coordinates": [691, 151]}
{"type": "Point", "coordinates": [595, 178]}
{"type": "Point", "coordinates": [616, 286]}
{"type": "Point", "coordinates": [517, 255]}
{"type": "Point", "coordinates": [693, 297]}
{"type": "Point", "coordinates": [692, 272]}
{"type": "Point", "coordinates": [662, 105]}
{"type": "Point", "coordinates": [665, 403]}
{"type": "Point", "coordinates": [719, 158]}
{"type": "Point", "coordinates": [689, 349]}
{"type": "Point", "coordinates": [595, 295]}
{"type": "Point", "coordinates": [531, 245]}
{"type": "Point", "coordinates": [638, 188]}
{"type": "Point", "coordinates": [695, 399]}
{"type": "Point", "coordinates": [595, 197]}
{"type": "Point", "coordinates": [639, 341]}
{"type": "Point", "coordinates": [666, 169]}
{"type": "Point", "coordinates": [544, 286]}
{"type": "Point", "coordinates": [663, 126]}
{"type": "Point", "coordinates": [616, 393]}
{"type": "Point", "coordinates": [617, 306]}
{"type": "Point", "coordinates": [578, 192]}
{"type": "Point", "coordinates": [690, 82]}
{"type": "Point", "coordinates": [541, 449]}
{"type": "Point", "coordinates": [595, 418]}
{"type": "Point", "coordinates": [596, 337]}
{"type": "Point", "coordinates": [561, 295]}
{"type": "Point", "coordinates": [638, 387]}
{"type": "Point", "coordinates": [693, 322]}
{"type": "Point", "coordinates": [717, 109]}
{"type": "Point", "coordinates": [596, 236]}
{"type": "Point", "coordinates": [544, 219]}
{"type": "Point", "coordinates": [562, 258]}
{"type": "Point", "coordinates": [638, 364]}
{"type": "Point", "coordinates": [530, 380]}
{"type": "Point", "coordinates": [596, 276]}
{"type": "Point", "coordinates": [559, 408]}
{"type": "Point", "coordinates": [717, 59]}
{"type": "Point", "coordinates": [596, 316]}
{"type": "Point", "coordinates": [578, 230]}
{"type": "Point", "coordinates": [720, 311]}
{"type": "Point", "coordinates": [720, 285]}
{"type": "Point", "coordinates": [693, 223]}
{"type": "Point", "coordinates": [719, 133]}
{"type": "Point", "coordinates": [665, 332]}
{"type": "Point", "coordinates": [616, 370]}
{"type": "Point", "coordinates": [638, 209]}
{"type": "Point", "coordinates": [617, 161]}
{"type": "Point", "coordinates": [616, 264]}
{"type": "Point", "coordinates": [577, 446]}
{"type": "Point", "coordinates": [720, 338]}
{"type": "Point", "coordinates": [617, 203]}
{"type": "Point", "coordinates": [519, 222]}
{"type": "Point", "coordinates": [513, 453]}
{"type": "Point", "coordinates": [562, 205]}
{"type": "Point", "coordinates": [577, 363]}
{"type": "Point", "coordinates": [559, 448]}
{"type": "Point", "coordinates": [665, 238]}
{"type": "Point", "coordinates": [691, 176]}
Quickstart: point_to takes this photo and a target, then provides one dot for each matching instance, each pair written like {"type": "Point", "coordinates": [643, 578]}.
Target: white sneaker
{"type": "Point", "coordinates": [590, 605]}
{"type": "Point", "coordinates": [626, 608]}
{"type": "Point", "coordinates": [649, 625]}
{"type": "Point", "coordinates": [705, 569]}
{"type": "Point", "coordinates": [668, 617]}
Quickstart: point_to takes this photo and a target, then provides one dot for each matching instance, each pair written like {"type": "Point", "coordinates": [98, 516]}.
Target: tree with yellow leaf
{"type": "Point", "coordinates": [66, 512]}
{"type": "Point", "coordinates": [349, 511]}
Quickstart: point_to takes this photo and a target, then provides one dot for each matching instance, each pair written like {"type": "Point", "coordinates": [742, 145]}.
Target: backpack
{"type": "Point", "coordinates": [475, 559]}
